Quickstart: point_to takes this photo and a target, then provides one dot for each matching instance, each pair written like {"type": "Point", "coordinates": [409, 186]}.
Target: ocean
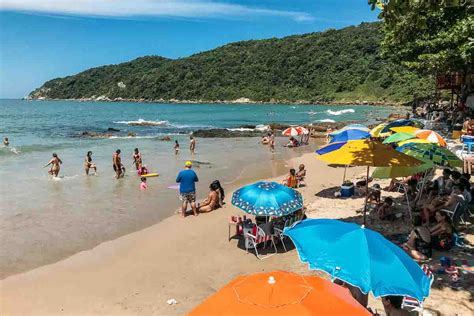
{"type": "Point", "coordinates": [43, 220]}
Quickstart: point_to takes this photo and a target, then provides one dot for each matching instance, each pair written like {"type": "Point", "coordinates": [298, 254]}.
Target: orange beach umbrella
{"type": "Point", "coordinates": [431, 136]}
{"type": "Point", "coordinates": [280, 293]}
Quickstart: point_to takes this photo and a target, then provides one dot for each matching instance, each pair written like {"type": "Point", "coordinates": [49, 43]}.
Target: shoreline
{"type": "Point", "coordinates": [243, 101]}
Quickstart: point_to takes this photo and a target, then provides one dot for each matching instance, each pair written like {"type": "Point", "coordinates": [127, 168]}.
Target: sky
{"type": "Point", "coordinates": [45, 39]}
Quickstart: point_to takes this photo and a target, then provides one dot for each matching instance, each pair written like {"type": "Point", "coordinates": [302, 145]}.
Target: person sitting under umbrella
{"type": "Point", "coordinates": [442, 232]}
{"type": "Point", "coordinates": [440, 203]}
{"type": "Point", "coordinates": [418, 245]}
{"type": "Point", "coordinates": [384, 209]}
{"type": "Point", "coordinates": [392, 305]}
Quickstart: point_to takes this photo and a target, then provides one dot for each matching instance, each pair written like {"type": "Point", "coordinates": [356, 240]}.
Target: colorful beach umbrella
{"type": "Point", "coordinates": [358, 256]}
{"type": "Point", "coordinates": [398, 137]}
{"type": "Point", "coordinates": [351, 126]}
{"type": "Point", "coordinates": [431, 136]}
{"type": "Point", "coordinates": [267, 199]}
{"type": "Point", "coordinates": [398, 123]}
{"type": "Point", "coordinates": [350, 134]}
{"type": "Point", "coordinates": [330, 147]}
{"type": "Point", "coordinates": [370, 154]}
{"type": "Point", "coordinates": [405, 129]}
{"type": "Point", "coordinates": [397, 172]}
{"type": "Point", "coordinates": [438, 155]}
{"type": "Point", "coordinates": [414, 141]}
{"type": "Point", "coordinates": [280, 293]}
{"type": "Point", "coordinates": [295, 131]}
{"type": "Point", "coordinates": [377, 131]}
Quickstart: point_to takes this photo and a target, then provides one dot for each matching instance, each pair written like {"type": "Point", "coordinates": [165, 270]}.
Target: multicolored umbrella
{"type": "Point", "coordinates": [431, 136]}
{"type": "Point", "coordinates": [370, 154]}
{"type": "Point", "coordinates": [377, 131]}
{"type": "Point", "coordinates": [397, 172]}
{"type": "Point", "coordinates": [398, 123]}
{"type": "Point", "coordinates": [295, 131]}
{"type": "Point", "coordinates": [267, 199]}
{"type": "Point", "coordinates": [280, 293]}
{"type": "Point", "coordinates": [398, 137]}
{"type": "Point", "coordinates": [405, 129]}
{"type": "Point", "coordinates": [330, 147]}
{"type": "Point", "coordinates": [438, 155]}
{"type": "Point", "coordinates": [351, 126]}
{"type": "Point", "coordinates": [350, 134]}
{"type": "Point", "coordinates": [414, 141]}
{"type": "Point", "coordinates": [358, 256]}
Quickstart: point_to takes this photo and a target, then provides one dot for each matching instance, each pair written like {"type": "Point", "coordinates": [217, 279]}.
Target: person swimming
{"type": "Point", "coordinates": [137, 159]}
{"type": "Point", "coordinates": [142, 171]}
{"type": "Point", "coordinates": [176, 147]}
{"type": "Point", "coordinates": [55, 163]}
{"type": "Point", "coordinates": [143, 185]}
{"type": "Point", "coordinates": [6, 142]}
{"type": "Point", "coordinates": [88, 164]}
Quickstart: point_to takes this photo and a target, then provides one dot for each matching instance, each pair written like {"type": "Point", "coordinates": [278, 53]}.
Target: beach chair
{"type": "Point", "coordinates": [258, 237]}
{"type": "Point", "coordinates": [278, 233]}
{"type": "Point", "coordinates": [457, 216]}
{"type": "Point", "coordinates": [411, 304]}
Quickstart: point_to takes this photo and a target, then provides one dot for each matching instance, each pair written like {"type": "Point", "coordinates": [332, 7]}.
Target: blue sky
{"type": "Point", "coordinates": [45, 39]}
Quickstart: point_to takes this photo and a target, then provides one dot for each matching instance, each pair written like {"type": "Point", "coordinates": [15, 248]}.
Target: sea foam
{"type": "Point", "coordinates": [142, 122]}
{"type": "Point", "coordinates": [330, 112]}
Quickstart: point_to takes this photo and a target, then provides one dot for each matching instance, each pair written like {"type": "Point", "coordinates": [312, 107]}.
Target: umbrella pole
{"type": "Point", "coordinates": [420, 194]}
{"type": "Point", "coordinates": [367, 193]}
{"type": "Point", "coordinates": [408, 203]}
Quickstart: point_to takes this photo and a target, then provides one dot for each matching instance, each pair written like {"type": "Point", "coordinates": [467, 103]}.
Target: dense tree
{"type": "Point", "coordinates": [428, 35]}
{"type": "Point", "coordinates": [336, 65]}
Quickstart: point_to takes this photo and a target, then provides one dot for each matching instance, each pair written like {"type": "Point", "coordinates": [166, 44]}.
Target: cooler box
{"type": "Point", "coordinates": [467, 139]}
{"type": "Point", "coordinates": [347, 191]}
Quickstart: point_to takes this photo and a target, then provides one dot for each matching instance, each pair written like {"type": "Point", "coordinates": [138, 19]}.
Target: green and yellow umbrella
{"type": "Point", "coordinates": [415, 141]}
{"type": "Point", "coordinates": [398, 137]}
{"type": "Point", "coordinates": [397, 172]}
{"type": "Point", "coordinates": [438, 155]}
{"type": "Point", "coordinates": [377, 131]}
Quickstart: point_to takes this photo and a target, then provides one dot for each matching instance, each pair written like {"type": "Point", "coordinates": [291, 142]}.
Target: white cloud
{"type": "Point", "coordinates": [148, 8]}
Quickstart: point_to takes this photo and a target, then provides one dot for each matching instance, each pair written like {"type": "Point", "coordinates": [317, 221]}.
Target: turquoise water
{"type": "Point", "coordinates": [43, 219]}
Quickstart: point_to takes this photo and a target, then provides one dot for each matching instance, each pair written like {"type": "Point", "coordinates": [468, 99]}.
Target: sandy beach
{"type": "Point", "coordinates": [187, 260]}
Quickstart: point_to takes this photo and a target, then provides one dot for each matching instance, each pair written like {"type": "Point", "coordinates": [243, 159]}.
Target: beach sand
{"type": "Point", "coordinates": [185, 259]}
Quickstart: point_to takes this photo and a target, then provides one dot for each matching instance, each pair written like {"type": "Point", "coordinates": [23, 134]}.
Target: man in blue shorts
{"type": "Point", "coordinates": [187, 179]}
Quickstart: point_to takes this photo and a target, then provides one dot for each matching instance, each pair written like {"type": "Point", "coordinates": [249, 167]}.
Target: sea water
{"type": "Point", "coordinates": [43, 219]}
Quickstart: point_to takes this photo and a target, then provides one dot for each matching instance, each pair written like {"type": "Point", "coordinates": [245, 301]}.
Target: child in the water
{"type": "Point", "coordinates": [143, 171]}
{"type": "Point", "coordinates": [143, 185]}
{"type": "Point", "coordinates": [176, 147]}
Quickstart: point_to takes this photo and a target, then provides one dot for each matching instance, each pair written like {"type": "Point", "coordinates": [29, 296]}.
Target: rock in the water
{"type": "Point", "coordinates": [111, 129]}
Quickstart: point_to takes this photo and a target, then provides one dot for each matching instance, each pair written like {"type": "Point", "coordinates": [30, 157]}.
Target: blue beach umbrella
{"type": "Point", "coordinates": [350, 126]}
{"type": "Point", "coordinates": [360, 257]}
{"type": "Point", "coordinates": [267, 199]}
{"type": "Point", "coordinates": [350, 134]}
{"type": "Point", "coordinates": [330, 147]}
{"type": "Point", "coordinates": [398, 123]}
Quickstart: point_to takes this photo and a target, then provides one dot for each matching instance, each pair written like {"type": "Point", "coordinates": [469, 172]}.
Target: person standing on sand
{"type": "Point", "coordinates": [117, 164]}
{"type": "Point", "coordinates": [55, 163]}
{"type": "Point", "coordinates": [187, 179]}
{"type": "Point", "coordinates": [88, 164]}
{"type": "Point", "coordinates": [176, 147]}
{"type": "Point", "coordinates": [192, 144]}
{"type": "Point", "coordinates": [272, 142]}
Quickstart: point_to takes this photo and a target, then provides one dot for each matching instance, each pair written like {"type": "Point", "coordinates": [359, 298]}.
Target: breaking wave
{"type": "Point", "coordinates": [330, 112]}
{"type": "Point", "coordinates": [142, 122]}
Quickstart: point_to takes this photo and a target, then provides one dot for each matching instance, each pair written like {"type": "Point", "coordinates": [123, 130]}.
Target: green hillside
{"type": "Point", "coordinates": [335, 65]}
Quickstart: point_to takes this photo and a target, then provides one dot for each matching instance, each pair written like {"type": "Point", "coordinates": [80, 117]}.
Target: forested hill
{"type": "Point", "coordinates": [335, 65]}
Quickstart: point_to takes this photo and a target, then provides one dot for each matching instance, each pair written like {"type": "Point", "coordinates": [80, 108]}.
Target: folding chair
{"type": "Point", "coordinates": [457, 216]}
{"type": "Point", "coordinates": [411, 304]}
{"type": "Point", "coordinates": [278, 233]}
{"type": "Point", "coordinates": [258, 237]}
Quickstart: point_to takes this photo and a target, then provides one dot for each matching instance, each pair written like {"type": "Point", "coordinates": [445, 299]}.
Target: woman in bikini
{"type": "Point", "coordinates": [55, 163]}
{"type": "Point", "coordinates": [137, 159]}
{"type": "Point", "coordinates": [88, 163]}
{"type": "Point", "coordinates": [212, 201]}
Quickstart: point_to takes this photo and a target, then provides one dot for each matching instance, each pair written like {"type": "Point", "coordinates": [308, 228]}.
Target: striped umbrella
{"type": "Point", "coordinates": [431, 136]}
{"type": "Point", "coordinates": [295, 131]}
{"type": "Point", "coordinates": [351, 126]}
{"type": "Point", "coordinates": [438, 155]}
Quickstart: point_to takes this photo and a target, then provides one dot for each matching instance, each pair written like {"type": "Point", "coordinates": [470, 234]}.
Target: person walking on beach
{"type": "Point", "coordinates": [176, 147]}
{"type": "Point", "coordinates": [88, 164]}
{"type": "Point", "coordinates": [137, 159]}
{"type": "Point", "coordinates": [55, 163]}
{"type": "Point", "coordinates": [187, 179]}
{"type": "Point", "coordinates": [117, 164]}
{"type": "Point", "coordinates": [192, 144]}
